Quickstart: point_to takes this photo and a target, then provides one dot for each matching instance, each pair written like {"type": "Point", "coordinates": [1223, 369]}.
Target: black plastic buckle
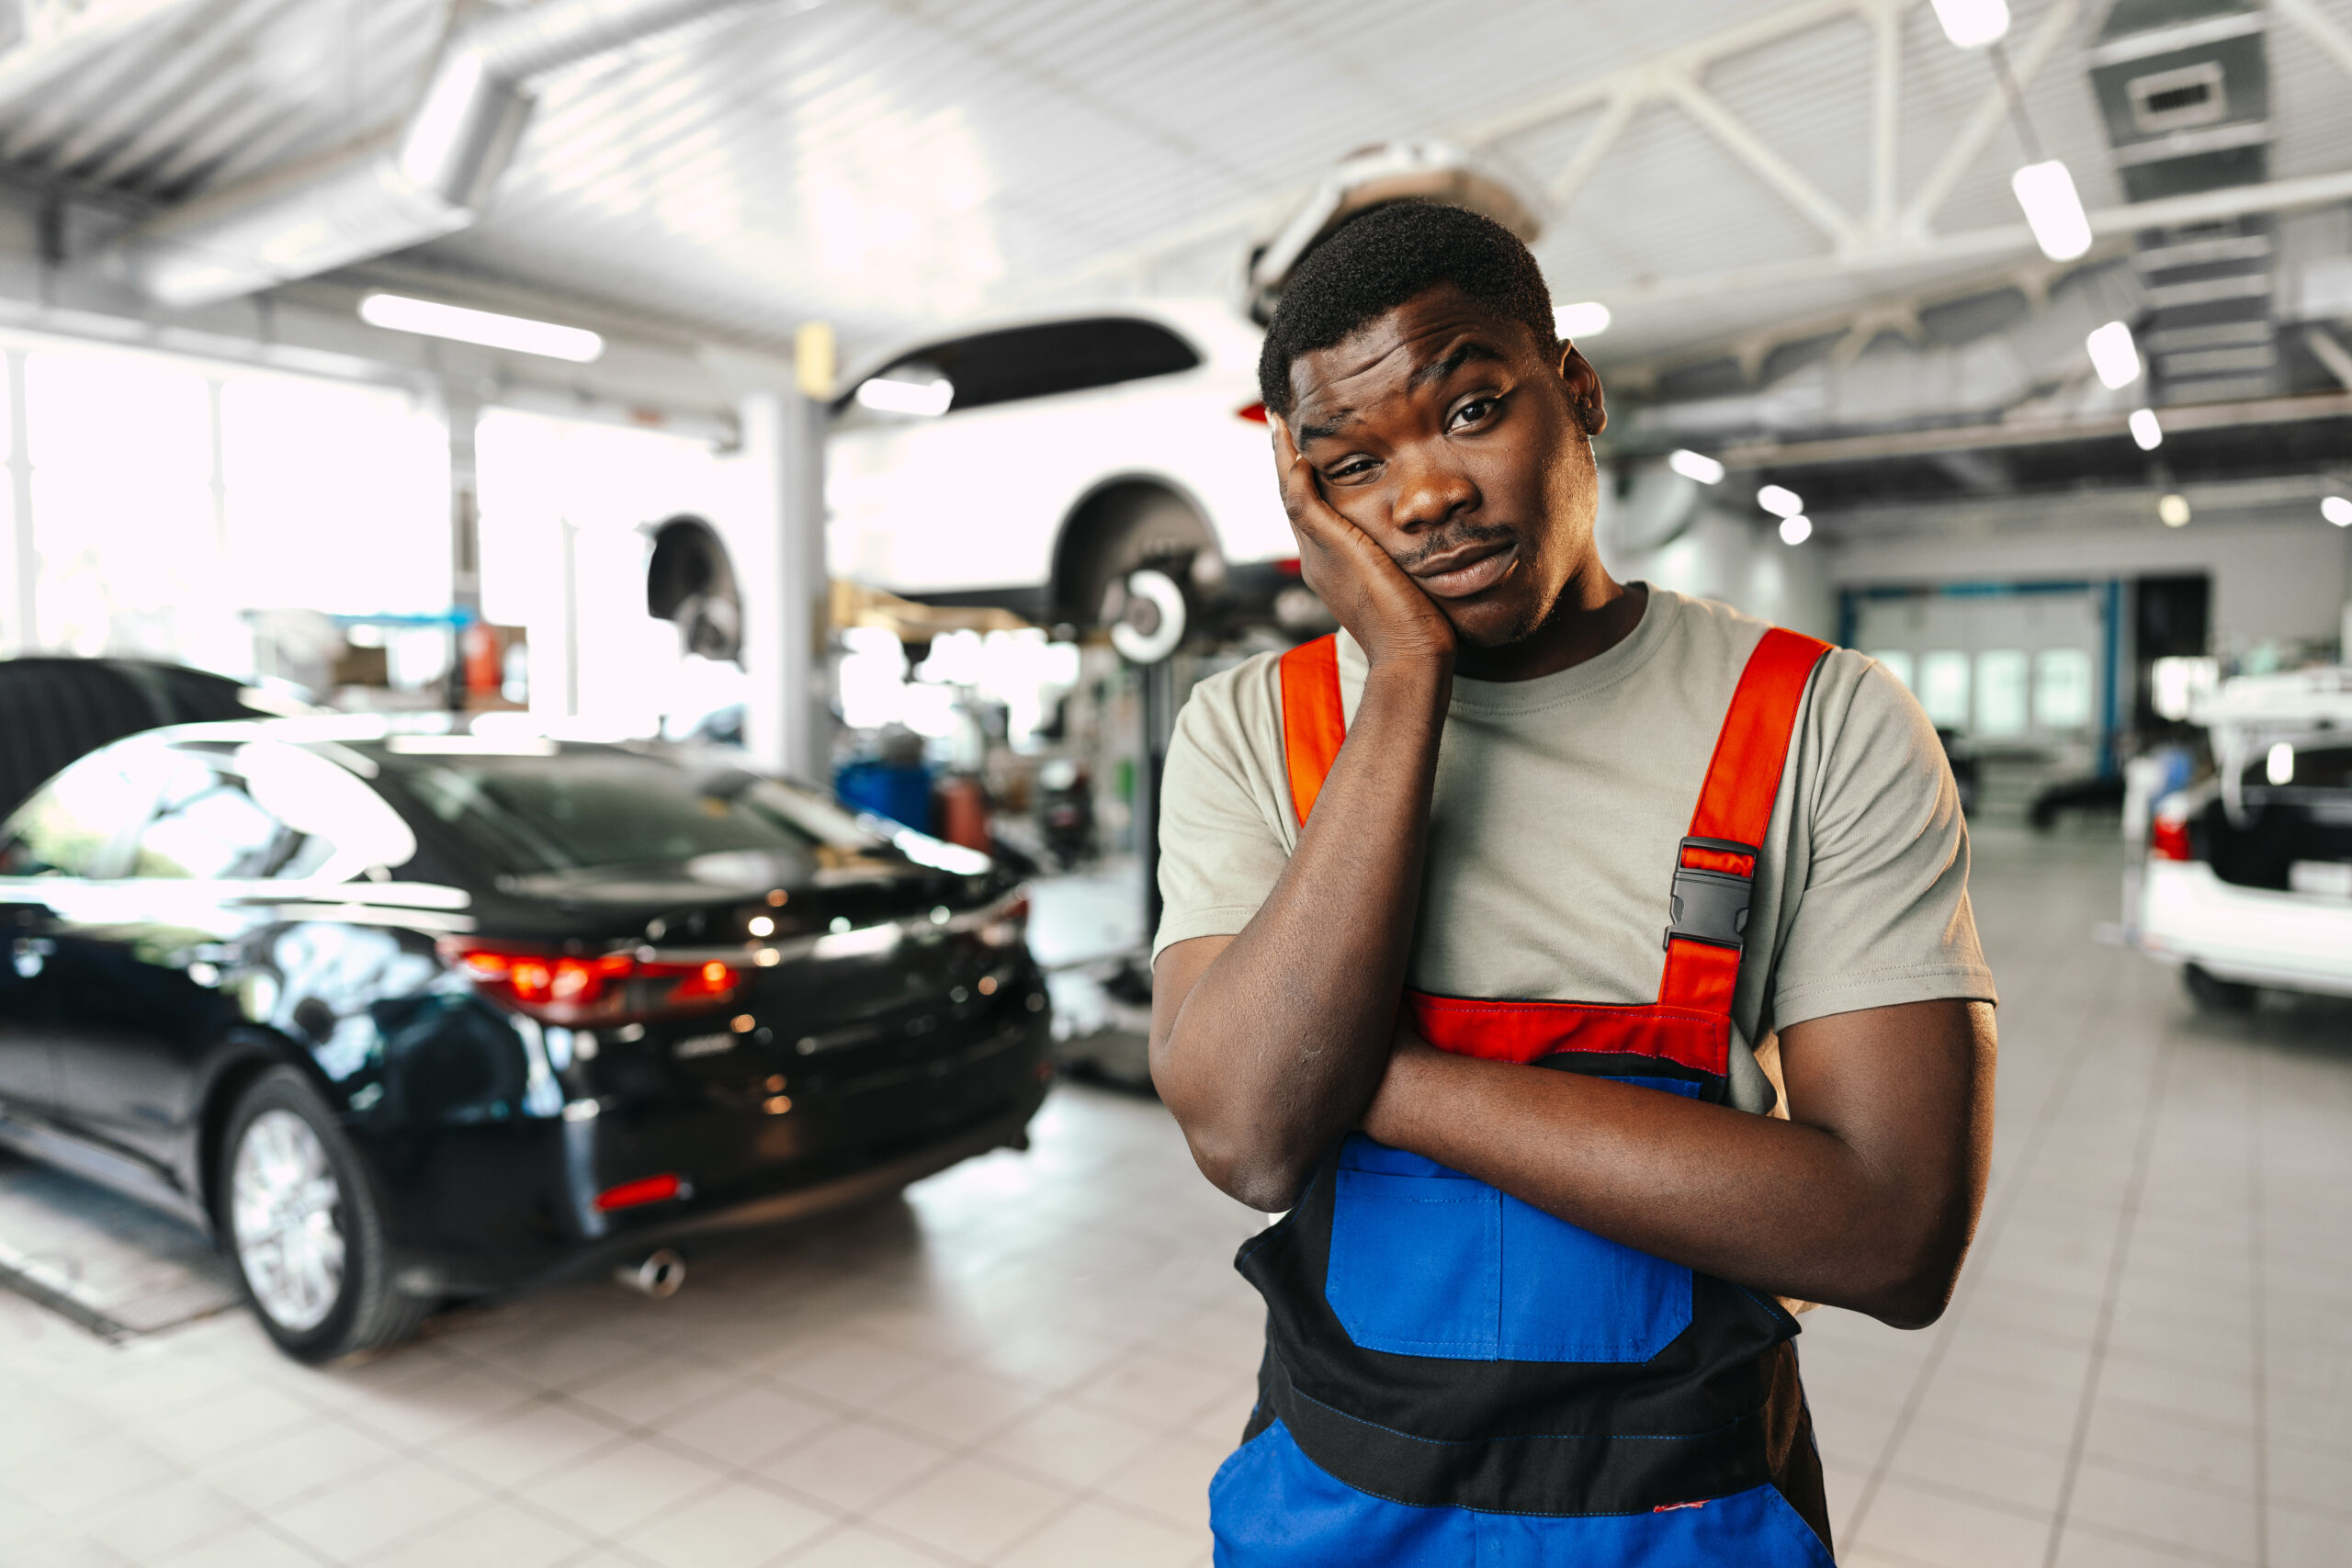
{"type": "Point", "coordinates": [1712, 905]}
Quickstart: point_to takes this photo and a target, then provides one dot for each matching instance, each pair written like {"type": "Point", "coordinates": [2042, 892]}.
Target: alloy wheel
{"type": "Point", "coordinates": [285, 1207]}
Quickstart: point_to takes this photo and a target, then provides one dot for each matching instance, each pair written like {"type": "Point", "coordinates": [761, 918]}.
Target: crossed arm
{"type": "Point", "coordinates": [1271, 1045]}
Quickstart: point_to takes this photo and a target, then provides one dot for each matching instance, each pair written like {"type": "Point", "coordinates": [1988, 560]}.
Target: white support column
{"type": "Point", "coordinates": [24, 556]}
{"type": "Point", "coordinates": [461, 411]}
{"type": "Point", "coordinates": [780, 562]}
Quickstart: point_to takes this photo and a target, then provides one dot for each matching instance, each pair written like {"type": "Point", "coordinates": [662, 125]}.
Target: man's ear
{"type": "Point", "coordinates": [1584, 391]}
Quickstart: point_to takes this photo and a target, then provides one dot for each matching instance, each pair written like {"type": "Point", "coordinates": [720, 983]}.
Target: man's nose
{"type": "Point", "coordinates": [1433, 491]}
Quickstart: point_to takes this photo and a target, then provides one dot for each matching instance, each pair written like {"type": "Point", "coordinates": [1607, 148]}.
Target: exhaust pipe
{"type": "Point", "coordinates": [658, 1274]}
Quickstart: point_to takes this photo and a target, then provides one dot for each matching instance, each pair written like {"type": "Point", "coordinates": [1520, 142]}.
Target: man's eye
{"type": "Point", "coordinates": [1477, 411]}
{"type": "Point", "coordinates": [1348, 469]}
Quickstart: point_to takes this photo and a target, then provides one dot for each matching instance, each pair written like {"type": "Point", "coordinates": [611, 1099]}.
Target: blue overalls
{"type": "Point", "coordinates": [1456, 1379]}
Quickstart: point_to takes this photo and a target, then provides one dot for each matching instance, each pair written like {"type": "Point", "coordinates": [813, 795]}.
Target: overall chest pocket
{"type": "Point", "coordinates": [1427, 1261]}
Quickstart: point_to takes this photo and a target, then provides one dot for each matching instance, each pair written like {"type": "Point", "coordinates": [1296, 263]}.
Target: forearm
{"type": "Point", "coordinates": [1276, 1049]}
{"type": "Point", "coordinates": [1873, 1222]}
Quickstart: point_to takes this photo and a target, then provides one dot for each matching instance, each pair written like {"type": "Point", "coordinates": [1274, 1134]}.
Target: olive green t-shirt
{"type": "Point", "coordinates": [1559, 809]}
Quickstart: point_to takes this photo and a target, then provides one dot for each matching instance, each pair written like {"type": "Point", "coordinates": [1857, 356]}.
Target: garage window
{"type": "Point", "coordinates": [2001, 692]}
{"type": "Point", "coordinates": [1943, 687]}
{"type": "Point", "coordinates": [2062, 688]}
{"type": "Point", "coordinates": [1047, 360]}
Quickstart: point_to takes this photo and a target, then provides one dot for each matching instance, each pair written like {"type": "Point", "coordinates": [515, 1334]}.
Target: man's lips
{"type": "Point", "coordinates": [1471, 568]}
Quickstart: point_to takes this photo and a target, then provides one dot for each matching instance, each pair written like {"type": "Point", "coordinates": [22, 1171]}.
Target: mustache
{"type": "Point", "coordinates": [1456, 538]}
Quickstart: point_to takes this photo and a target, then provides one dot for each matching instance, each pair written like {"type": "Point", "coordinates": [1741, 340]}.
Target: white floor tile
{"type": "Point", "coordinates": [1094, 1533]}
{"type": "Point", "coordinates": [852, 1463]}
{"type": "Point", "coordinates": [738, 1525]}
{"type": "Point", "coordinates": [971, 1507]}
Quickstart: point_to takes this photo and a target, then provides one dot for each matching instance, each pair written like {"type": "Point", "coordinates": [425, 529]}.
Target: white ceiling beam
{"type": "Point", "coordinates": [1765, 164]}
{"type": "Point", "coordinates": [2016, 239]}
{"type": "Point", "coordinates": [1991, 111]}
{"type": "Point", "coordinates": [1691, 58]}
{"type": "Point", "coordinates": [2029, 433]}
{"type": "Point", "coordinates": [2329, 352]}
{"type": "Point", "coordinates": [1886, 112]}
{"type": "Point", "coordinates": [1595, 146]}
{"type": "Point", "coordinates": [2320, 27]}
{"type": "Point", "coordinates": [1639, 81]}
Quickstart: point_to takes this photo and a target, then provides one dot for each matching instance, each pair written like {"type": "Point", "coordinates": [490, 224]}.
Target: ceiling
{"type": "Point", "coordinates": [885, 164]}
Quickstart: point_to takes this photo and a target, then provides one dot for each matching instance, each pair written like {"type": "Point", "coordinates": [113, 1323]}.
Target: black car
{"type": "Point", "coordinates": [406, 1017]}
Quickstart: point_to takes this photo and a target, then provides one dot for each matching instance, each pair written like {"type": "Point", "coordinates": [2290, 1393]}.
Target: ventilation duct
{"type": "Point", "coordinates": [2184, 89]}
{"type": "Point", "coordinates": [431, 176]}
{"type": "Point", "coordinates": [1894, 384]}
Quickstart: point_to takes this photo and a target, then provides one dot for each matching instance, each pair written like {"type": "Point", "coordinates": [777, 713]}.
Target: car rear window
{"type": "Point", "coordinates": [2291, 767]}
{"type": "Point", "coordinates": [1043, 360]}
{"type": "Point", "coordinates": [577, 810]}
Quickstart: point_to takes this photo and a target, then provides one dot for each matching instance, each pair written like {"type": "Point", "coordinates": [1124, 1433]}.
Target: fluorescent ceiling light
{"type": "Point", "coordinates": [2337, 510]}
{"type": "Point", "coordinates": [486, 328]}
{"type": "Point", "coordinates": [2172, 510]}
{"type": "Point", "coordinates": [1973, 24]}
{"type": "Point", "coordinates": [2053, 209]}
{"type": "Point", "coordinates": [1796, 530]}
{"type": "Point", "coordinates": [930, 398]}
{"type": "Point", "coordinates": [1586, 318]}
{"type": "Point", "coordinates": [1779, 501]}
{"type": "Point", "coordinates": [1696, 466]}
{"type": "Point", "coordinates": [2113, 354]}
{"type": "Point", "coordinates": [2146, 430]}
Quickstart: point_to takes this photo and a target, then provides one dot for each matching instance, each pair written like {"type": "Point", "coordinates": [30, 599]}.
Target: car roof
{"type": "Point", "coordinates": [375, 734]}
{"type": "Point", "coordinates": [1226, 338]}
{"type": "Point", "coordinates": [2306, 699]}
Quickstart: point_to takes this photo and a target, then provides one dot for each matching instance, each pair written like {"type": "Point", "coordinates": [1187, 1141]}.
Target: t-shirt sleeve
{"type": "Point", "coordinates": [1224, 836]}
{"type": "Point", "coordinates": [1884, 918]}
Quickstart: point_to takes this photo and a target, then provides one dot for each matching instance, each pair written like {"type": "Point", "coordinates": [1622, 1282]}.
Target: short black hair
{"type": "Point", "coordinates": [1386, 255]}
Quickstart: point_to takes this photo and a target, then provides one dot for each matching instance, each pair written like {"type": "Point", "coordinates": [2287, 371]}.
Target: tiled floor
{"type": "Point", "coordinates": [1037, 1359]}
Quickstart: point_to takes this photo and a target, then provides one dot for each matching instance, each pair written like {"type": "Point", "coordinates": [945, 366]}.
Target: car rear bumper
{"type": "Point", "coordinates": [2256, 935]}
{"type": "Point", "coordinates": [471, 1274]}
{"type": "Point", "coordinates": [515, 1205]}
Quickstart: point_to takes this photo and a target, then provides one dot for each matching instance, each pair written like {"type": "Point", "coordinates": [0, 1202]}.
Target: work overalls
{"type": "Point", "coordinates": [1454, 1378]}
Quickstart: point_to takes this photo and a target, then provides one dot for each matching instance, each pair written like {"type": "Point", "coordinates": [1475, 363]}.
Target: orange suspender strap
{"type": "Point", "coordinates": [1714, 872]}
{"type": "Point", "coordinates": [1313, 721]}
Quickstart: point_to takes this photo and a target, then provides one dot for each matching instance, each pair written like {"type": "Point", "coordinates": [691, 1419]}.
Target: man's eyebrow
{"type": "Point", "coordinates": [1338, 422]}
{"type": "Point", "coordinates": [1439, 369]}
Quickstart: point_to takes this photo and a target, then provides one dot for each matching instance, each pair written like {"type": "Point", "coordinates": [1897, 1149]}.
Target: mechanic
{"type": "Point", "coordinates": [1518, 816]}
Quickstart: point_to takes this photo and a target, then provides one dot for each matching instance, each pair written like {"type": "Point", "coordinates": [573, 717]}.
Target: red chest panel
{"type": "Point", "coordinates": [1708, 899]}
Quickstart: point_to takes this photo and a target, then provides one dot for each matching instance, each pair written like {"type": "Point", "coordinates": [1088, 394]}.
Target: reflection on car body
{"type": "Point", "coordinates": [415, 1016]}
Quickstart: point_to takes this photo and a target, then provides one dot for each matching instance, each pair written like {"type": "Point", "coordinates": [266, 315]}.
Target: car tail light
{"type": "Point", "coordinates": [1290, 568]}
{"type": "Point", "coordinates": [1007, 922]}
{"type": "Point", "coordinates": [643, 1190]}
{"type": "Point", "coordinates": [609, 988]}
{"type": "Point", "coordinates": [1254, 413]}
{"type": "Point", "coordinates": [2168, 839]}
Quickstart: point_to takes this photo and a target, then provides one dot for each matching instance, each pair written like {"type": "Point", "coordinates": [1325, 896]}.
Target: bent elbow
{"type": "Point", "coordinates": [1265, 1180]}
{"type": "Point", "coordinates": [1915, 1296]}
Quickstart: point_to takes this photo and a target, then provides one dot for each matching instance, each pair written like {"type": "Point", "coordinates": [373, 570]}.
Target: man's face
{"type": "Point", "coordinates": [1445, 433]}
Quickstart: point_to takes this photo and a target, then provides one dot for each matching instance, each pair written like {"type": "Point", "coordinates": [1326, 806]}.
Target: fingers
{"type": "Point", "coordinates": [1309, 512]}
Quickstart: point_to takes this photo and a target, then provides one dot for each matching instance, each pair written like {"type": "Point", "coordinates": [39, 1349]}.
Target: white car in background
{"type": "Point", "coordinates": [2248, 880]}
{"type": "Point", "coordinates": [1033, 464]}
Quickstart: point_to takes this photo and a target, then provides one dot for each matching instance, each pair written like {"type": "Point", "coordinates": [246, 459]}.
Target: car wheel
{"type": "Point", "coordinates": [299, 1221]}
{"type": "Point", "coordinates": [1120, 529]}
{"type": "Point", "coordinates": [2215, 995]}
